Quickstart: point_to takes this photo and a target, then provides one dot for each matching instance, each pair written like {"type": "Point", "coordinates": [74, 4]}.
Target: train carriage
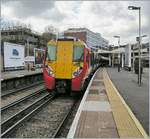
{"type": "Point", "coordinates": [68, 63]}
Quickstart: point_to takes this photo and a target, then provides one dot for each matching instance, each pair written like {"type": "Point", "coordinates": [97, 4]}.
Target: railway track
{"type": "Point", "coordinates": [21, 100]}
{"type": "Point", "coordinates": [21, 106]}
{"type": "Point", "coordinates": [12, 123]}
{"type": "Point", "coordinates": [55, 116]}
{"type": "Point", "coordinates": [16, 96]}
{"type": "Point", "coordinates": [49, 121]}
{"type": "Point", "coordinates": [10, 92]}
{"type": "Point", "coordinates": [14, 107]}
{"type": "Point", "coordinates": [64, 121]}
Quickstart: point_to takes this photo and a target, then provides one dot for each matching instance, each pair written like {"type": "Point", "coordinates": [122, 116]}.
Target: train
{"type": "Point", "coordinates": [68, 64]}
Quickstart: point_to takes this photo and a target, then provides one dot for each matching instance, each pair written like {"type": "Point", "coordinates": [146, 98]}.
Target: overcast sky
{"type": "Point", "coordinates": [106, 17]}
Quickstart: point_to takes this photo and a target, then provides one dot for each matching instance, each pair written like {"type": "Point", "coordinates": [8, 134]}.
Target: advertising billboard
{"type": "Point", "coordinates": [39, 56]}
{"type": "Point", "coordinates": [13, 55]}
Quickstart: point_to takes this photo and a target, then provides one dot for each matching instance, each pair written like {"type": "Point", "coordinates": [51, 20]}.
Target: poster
{"type": "Point", "coordinates": [13, 55]}
{"type": "Point", "coordinates": [39, 56]}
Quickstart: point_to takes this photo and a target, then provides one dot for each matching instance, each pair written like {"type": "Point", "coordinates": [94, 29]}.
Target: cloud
{"type": "Point", "coordinates": [37, 13]}
{"type": "Point", "coordinates": [106, 17]}
{"type": "Point", "coordinates": [28, 8]}
{"type": "Point", "coordinates": [113, 18]}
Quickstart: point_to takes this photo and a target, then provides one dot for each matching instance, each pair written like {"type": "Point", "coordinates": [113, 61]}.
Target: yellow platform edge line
{"type": "Point", "coordinates": [137, 123]}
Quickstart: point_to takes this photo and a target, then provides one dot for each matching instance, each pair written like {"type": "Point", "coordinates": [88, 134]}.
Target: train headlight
{"type": "Point", "coordinates": [77, 72]}
{"type": "Point", "coordinates": [49, 70]}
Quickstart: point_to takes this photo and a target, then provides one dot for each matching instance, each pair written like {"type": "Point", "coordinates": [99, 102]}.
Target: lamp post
{"type": "Point", "coordinates": [139, 73]}
{"type": "Point", "coordinates": [118, 52]}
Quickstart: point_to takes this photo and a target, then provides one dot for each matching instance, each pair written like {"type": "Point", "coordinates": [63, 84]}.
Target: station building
{"type": "Point", "coordinates": [20, 36]}
{"type": "Point", "coordinates": [23, 36]}
{"type": "Point", "coordinates": [127, 54]}
{"type": "Point", "coordinates": [91, 38]}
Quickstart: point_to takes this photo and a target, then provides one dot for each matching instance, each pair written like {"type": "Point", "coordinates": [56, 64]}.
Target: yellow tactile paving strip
{"type": "Point", "coordinates": [126, 122]}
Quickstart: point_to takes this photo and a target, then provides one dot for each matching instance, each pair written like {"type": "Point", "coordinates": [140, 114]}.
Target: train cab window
{"type": "Point", "coordinates": [78, 53]}
{"type": "Point", "coordinates": [51, 53]}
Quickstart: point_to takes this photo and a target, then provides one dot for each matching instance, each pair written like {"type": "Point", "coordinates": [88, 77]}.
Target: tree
{"type": "Point", "coordinates": [29, 26]}
{"type": "Point", "coordinates": [51, 29]}
{"type": "Point", "coordinates": [50, 33]}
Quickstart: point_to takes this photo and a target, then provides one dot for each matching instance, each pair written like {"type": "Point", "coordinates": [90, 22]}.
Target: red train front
{"type": "Point", "coordinates": [68, 63]}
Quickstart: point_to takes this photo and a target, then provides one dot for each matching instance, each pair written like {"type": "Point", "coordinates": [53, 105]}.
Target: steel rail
{"type": "Point", "coordinates": [8, 131]}
{"type": "Point", "coordinates": [64, 120]}
{"type": "Point", "coordinates": [6, 93]}
{"type": "Point", "coordinates": [21, 100]}
{"type": "Point", "coordinates": [26, 117]}
{"type": "Point", "coordinates": [22, 113]}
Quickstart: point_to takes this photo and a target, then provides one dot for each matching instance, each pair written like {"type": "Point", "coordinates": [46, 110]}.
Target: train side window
{"type": "Point", "coordinates": [51, 53]}
{"type": "Point", "coordinates": [92, 59]}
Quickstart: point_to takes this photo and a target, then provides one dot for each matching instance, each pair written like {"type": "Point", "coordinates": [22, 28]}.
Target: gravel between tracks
{"type": "Point", "coordinates": [65, 129]}
{"type": "Point", "coordinates": [45, 123]}
{"type": "Point", "coordinates": [18, 95]}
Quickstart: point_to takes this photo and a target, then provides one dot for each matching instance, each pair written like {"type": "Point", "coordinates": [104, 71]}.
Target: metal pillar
{"type": "Point", "coordinates": [133, 60]}
{"type": "Point", "coordinates": [139, 75]}
{"type": "Point", "coordinates": [113, 60]}
{"type": "Point", "coordinates": [109, 60]}
{"type": "Point", "coordinates": [118, 62]}
{"type": "Point", "coordinates": [122, 60]}
{"type": "Point", "coordinates": [119, 54]}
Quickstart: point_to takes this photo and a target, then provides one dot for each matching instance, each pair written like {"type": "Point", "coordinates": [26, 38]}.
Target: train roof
{"type": "Point", "coordinates": [68, 38]}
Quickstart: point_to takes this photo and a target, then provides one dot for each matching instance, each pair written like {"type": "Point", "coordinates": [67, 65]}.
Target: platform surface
{"type": "Point", "coordinates": [18, 73]}
{"type": "Point", "coordinates": [137, 97]}
{"type": "Point", "coordinates": [103, 113]}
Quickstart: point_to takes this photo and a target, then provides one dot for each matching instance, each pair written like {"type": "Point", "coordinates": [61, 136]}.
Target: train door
{"type": "Point", "coordinates": [64, 59]}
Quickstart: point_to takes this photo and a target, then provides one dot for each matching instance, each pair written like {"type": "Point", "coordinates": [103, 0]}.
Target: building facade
{"type": "Point", "coordinates": [23, 36]}
{"type": "Point", "coordinates": [91, 38]}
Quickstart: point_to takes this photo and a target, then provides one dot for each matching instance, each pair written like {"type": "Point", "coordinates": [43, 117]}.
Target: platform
{"type": "Point", "coordinates": [19, 73]}
{"type": "Point", "coordinates": [103, 113]}
{"type": "Point", "coordinates": [137, 97]}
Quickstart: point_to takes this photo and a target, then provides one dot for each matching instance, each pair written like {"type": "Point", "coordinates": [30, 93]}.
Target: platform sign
{"type": "Point", "coordinates": [13, 55]}
{"type": "Point", "coordinates": [39, 56]}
